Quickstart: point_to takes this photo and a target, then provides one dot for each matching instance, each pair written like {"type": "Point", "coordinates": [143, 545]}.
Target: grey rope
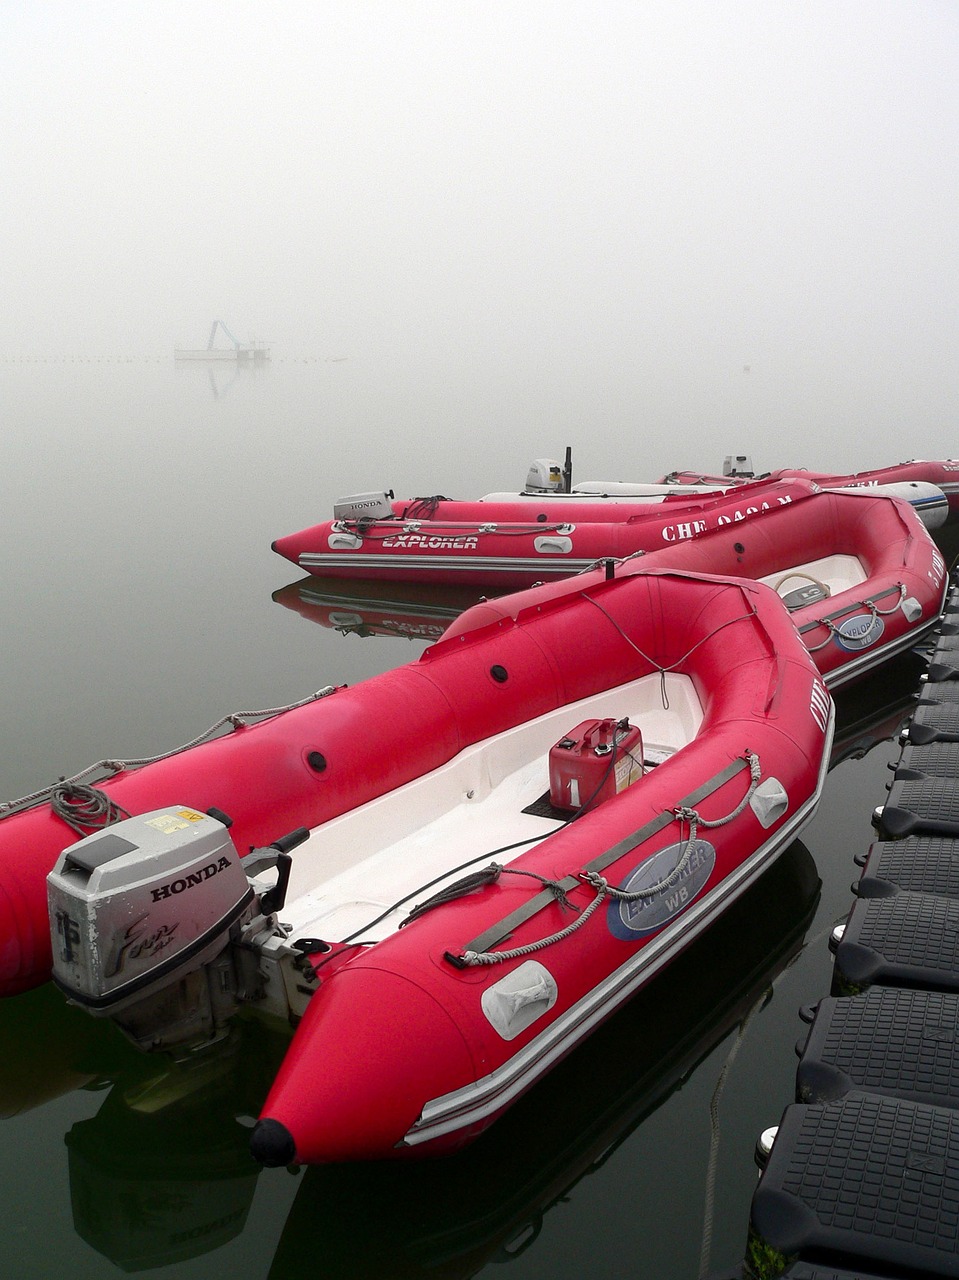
{"type": "Point", "coordinates": [369, 527]}
{"type": "Point", "coordinates": [478, 880]}
{"type": "Point", "coordinates": [605, 890]}
{"type": "Point", "coordinates": [741, 617]}
{"type": "Point", "coordinates": [555, 888]}
{"type": "Point", "coordinates": [110, 767]}
{"type": "Point", "coordinates": [83, 808]}
{"type": "Point", "coordinates": [695, 821]}
{"type": "Point", "coordinates": [613, 560]}
{"type": "Point", "coordinates": [706, 1246]}
{"type": "Point", "coordinates": [832, 630]}
{"type": "Point", "coordinates": [474, 958]}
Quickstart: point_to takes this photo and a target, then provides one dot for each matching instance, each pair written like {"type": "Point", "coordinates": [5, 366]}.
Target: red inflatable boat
{"type": "Point", "coordinates": [567, 798]}
{"type": "Point", "coordinates": [943, 475]}
{"type": "Point", "coordinates": [513, 544]}
{"type": "Point", "coordinates": [405, 610]}
{"type": "Point", "coordinates": [860, 574]}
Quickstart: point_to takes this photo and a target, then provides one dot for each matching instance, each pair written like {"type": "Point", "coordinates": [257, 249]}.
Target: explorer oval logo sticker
{"type": "Point", "coordinates": [632, 920]}
{"type": "Point", "coordinates": [859, 632]}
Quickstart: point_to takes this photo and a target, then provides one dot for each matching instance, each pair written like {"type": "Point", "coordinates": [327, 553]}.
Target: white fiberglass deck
{"type": "Point", "coordinates": [838, 573]}
{"type": "Point", "coordinates": [355, 866]}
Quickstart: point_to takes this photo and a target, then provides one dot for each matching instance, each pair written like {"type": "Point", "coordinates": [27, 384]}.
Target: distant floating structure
{"type": "Point", "coordinates": [238, 352]}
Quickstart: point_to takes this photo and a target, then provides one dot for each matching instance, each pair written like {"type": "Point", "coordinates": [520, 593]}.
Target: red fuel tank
{"type": "Point", "coordinates": [593, 762]}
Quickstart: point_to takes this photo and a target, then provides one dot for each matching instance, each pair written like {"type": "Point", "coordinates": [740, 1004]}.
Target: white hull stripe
{"type": "Point", "coordinates": [481, 565]}
{"type": "Point", "coordinates": [853, 668]}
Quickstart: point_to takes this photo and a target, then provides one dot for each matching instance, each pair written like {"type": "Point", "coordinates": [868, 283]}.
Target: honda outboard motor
{"type": "Point", "coordinates": [545, 475]}
{"type": "Point", "coordinates": [359, 506]}
{"type": "Point", "coordinates": [143, 915]}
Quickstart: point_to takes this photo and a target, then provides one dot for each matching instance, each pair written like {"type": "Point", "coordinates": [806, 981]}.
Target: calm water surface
{"type": "Point", "coordinates": [143, 602]}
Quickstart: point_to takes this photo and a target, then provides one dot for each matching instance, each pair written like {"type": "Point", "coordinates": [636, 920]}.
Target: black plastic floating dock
{"type": "Point", "coordinates": [906, 939]}
{"type": "Point", "coordinates": [945, 692]}
{"type": "Point", "coordinates": [919, 864]}
{"type": "Point", "coordinates": [921, 803]}
{"type": "Point", "coordinates": [862, 1182]}
{"type": "Point", "coordinates": [935, 722]}
{"type": "Point", "coordinates": [934, 760]}
{"type": "Point", "coordinates": [809, 1271]}
{"type": "Point", "coordinates": [900, 1043]}
{"type": "Point", "coordinates": [866, 1177]}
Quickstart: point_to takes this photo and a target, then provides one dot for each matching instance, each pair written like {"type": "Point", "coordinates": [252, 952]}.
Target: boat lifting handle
{"type": "Point", "coordinates": [276, 855]}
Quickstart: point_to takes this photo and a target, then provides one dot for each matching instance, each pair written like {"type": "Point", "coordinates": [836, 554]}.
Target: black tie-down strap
{"type": "Point", "coordinates": [458, 889]}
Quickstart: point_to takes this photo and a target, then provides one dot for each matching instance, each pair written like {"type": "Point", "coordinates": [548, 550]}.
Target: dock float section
{"type": "Point", "coordinates": [861, 1180]}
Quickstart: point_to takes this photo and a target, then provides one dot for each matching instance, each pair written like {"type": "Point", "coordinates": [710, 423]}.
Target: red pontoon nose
{"type": "Point", "coordinates": [272, 1144]}
{"type": "Point", "coordinates": [373, 1048]}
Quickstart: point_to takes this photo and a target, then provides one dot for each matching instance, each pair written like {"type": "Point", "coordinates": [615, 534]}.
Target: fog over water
{"type": "Point", "coordinates": [471, 234]}
{"type": "Point", "coordinates": [729, 222]}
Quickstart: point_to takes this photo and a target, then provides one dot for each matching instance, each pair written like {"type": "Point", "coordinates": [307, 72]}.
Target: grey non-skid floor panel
{"type": "Point", "coordinates": [865, 1179]}
{"type": "Point", "coordinates": [916, 804]}
{"type": "Point", "coordinates": [933, 721]}
{"type": "Point", "coordinates": [939, 691]}
{"type": "Point", "coordinates": [927, 797]}
{"type": "Point", "coordinates": [919, 864]}
{"type": "Point", "coordinates": [906, 939]}
{"type": "Point", "coordinates": [823, 1271]}
{"type": "Point", "coordinates": [935, 759]}
{"type": "Point", "coordinates": [888, 1040]}
{"type": "Point", "coordinates": [942, 657]}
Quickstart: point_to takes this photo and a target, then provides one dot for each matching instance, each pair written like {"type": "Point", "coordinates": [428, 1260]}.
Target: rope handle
{"type": "Point", "coordinates": [602, 887]}
{"type": "Point", "coordinates": [833, 630]}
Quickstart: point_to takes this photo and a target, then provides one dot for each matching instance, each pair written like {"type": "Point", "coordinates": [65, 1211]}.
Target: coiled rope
{"type": "Point", "coordinates": [424, 507]}
{"type": "Point", "coordinates": [236, 720]}
{"type": "Point", "coordinates": [84, 808]}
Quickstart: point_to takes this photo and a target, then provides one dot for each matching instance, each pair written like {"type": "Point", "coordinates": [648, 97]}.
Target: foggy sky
{"type": "Point", "coordinates": [723, 206]}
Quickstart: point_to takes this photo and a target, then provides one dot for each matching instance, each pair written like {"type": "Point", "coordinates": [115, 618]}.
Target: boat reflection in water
{"type": "Point", "coordinates": [876, 708]}
{"type": "Point", "coordinates": [49, 1049]}
{"type": "Point", "coordinates": [162, 1172]}
{"type": "Point", "coordinates": [405, 610]}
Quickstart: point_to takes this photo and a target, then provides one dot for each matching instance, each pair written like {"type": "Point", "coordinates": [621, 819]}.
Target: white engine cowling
{"type": "Point", "coordinates": [375, 506]}
{"type": "Point", "coordinates": [545, 475]}
{"type": "Point", "coordinates": [142, 915]}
